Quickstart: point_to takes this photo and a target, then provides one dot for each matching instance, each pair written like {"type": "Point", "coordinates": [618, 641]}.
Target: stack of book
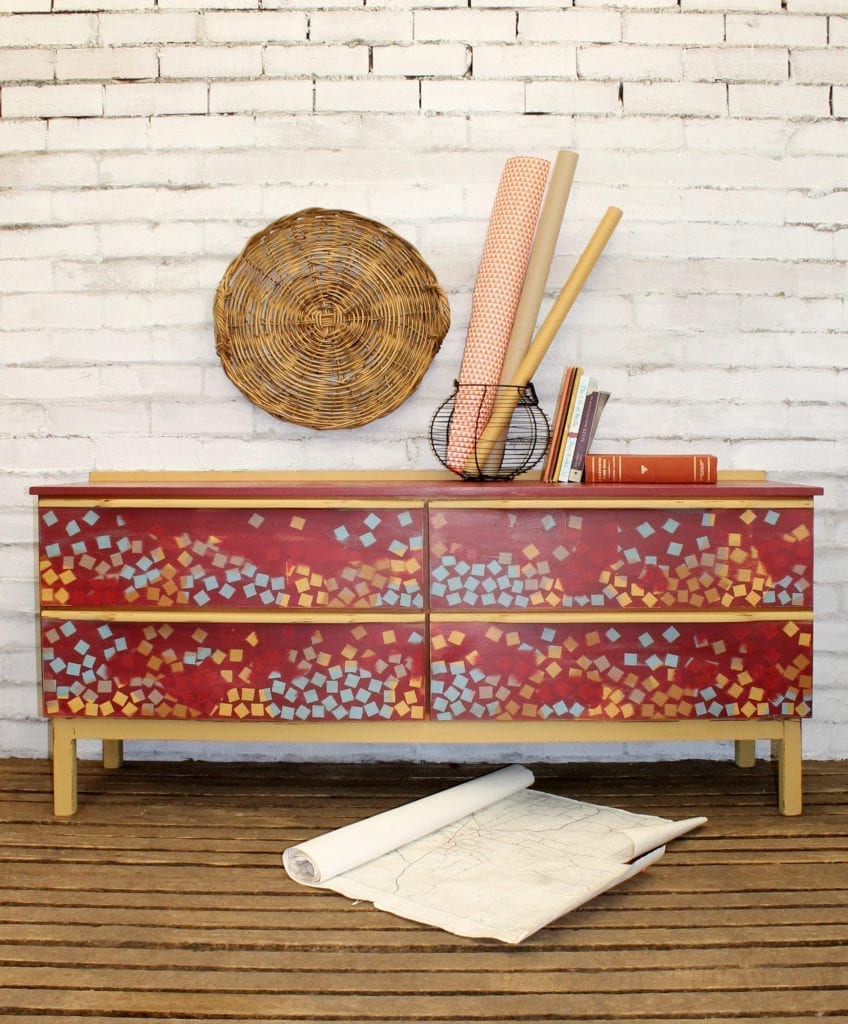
{"type": "Point", "coordinates": [578, 411]}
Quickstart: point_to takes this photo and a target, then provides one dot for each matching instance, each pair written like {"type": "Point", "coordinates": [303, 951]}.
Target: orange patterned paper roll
{"type": "Point", "coordinates": [497, 291]}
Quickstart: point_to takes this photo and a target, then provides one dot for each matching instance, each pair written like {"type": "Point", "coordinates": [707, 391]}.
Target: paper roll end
{"type": "Point", "coordinates": [299, 867]}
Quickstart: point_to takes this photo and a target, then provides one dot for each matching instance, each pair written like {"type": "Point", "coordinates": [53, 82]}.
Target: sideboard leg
{"type": "Point", "coordinates": [64, 768]}
{"type": "Point", "coordinates": [745, 752]}
{"type": "Point", "coordinates": [113, 753]}
{"type": "Point", "coordinates": [789, 769]}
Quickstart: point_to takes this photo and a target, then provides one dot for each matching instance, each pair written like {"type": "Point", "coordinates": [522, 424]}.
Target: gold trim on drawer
{"type": "Point", "coordinates": [541, 618]}
{"type": "Point", "coordinates": [225, 615]}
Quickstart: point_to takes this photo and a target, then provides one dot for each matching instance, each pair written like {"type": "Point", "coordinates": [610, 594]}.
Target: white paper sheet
{"type": "Point", "coordinates": [487, 858]}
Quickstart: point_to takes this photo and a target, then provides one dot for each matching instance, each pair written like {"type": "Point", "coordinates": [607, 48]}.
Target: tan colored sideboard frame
{"type": "Point", "coordinates": [785, 736]}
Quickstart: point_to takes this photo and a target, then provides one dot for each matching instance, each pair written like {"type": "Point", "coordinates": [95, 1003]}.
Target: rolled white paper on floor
{"type": "Point", "coordinates": [322, 858]}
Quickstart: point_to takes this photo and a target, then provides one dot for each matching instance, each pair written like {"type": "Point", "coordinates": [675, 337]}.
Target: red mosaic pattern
{"type": "Point", "coordinates": [635, 559]}
{"type": "Point", "coordinates": [621, 671]}
{"type": "Point", "coordinates": [212, 558]}
{"type": "Point", "coordinates": [242, 671]}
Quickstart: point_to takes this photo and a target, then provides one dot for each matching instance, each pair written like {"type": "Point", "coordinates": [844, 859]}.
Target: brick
{"type": "Point", "coordinates": [94, 133]}
{"type": "Point", "coordinates": [23, 136]}
{"type": "Point", "coordinates": [816, 7]}
{"type": "Point", "coordinates": [736, 6]}
{"type": "Point", "coordinates": [125, 241]}
{"type": "Point", "coordinates": [471, 95]}
{"type": "Point", "coordinates": [632, 5]}
{"type": "Point", "coordinates": [775, 30]}
{"type": "Point", "coordinates": [767, 138]}
{"type": "Point", "coordinates": [787, 101]}
{"type": "Point", "coordinates": [255, 27]}
{"type": "Point", "coordinates": [361, 27]}
{"type": "Point", "coordinates": [673, 28]}
{"type": "Point", "coordinates": [211, 62]}
{"type": "Point", "coordinates": [825, 210]}
{"type": "Point", "coordinates": [735, 64]}
{"type": "Point", "coordinates": [147, 29]}
{"type": "Point", "coordinates": [111, 63]}
{"type": "Point", "coordinates": [99, 5]}
{"type": "Point", "coordinates": [840, 101]}
{"type": "Point", "coordinates": [220, 5]}
{"type": "Point", "coordinates": [422, 60]}
{"type": "Point", "coordinates": [630, 135]}
{"type": "Point", "coordinates": [828, 137]}
{"type": "Point", "coordinates": [838, 31]}
{"type": "Point", "coordinates": [52, 101]}
{"type": "Point", "coordinates": [570, 25]}
{"type": "Point", "coordinates": [155, 98]}
{"type": "Point", "coordinates": [316, 60]}
{"type": "Point", "coordinates": [573, 98]}
{"type": "Point", "coordinates": [28, 65]}
{"type": "Point", "coordinates": [201, 418]}
{"type": "Point", "coordinates": [630, 63]}
{"type": "Point", "coordinates": [102, 417]}
{"type": "Point", "coordinates": [231, 131]}
{"type": "Point", "coordinates": [263, 95]}
{"type": "Point", "coordinates": [51, 170]}
{"type": "Point", "coordinates": [466, 26]}
{"type": "Point", "coordinates": [827, 67]}
{"type": "Point", "coordinates": [698, 99]}
{"type": "Point", "coordinates": [25, 6]}
{"type": "Point", "coordinates": [528, 60]}
{"type": "Point", "coordinates": [34, 30]}
{"type": "Point", "coordinates": [387, 95]}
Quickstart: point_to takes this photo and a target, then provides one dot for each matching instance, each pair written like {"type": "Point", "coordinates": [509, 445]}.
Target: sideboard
{"type": "Point", "coordinates": [413, 608]}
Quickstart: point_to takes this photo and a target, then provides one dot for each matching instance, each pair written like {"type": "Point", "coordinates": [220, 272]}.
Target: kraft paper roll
{"type": "Point", "coordinates": [496, 295]}
{"type": "Point", "coordinates": [535, 281]}
{"type": "Point", "coordinates": [554, 320]}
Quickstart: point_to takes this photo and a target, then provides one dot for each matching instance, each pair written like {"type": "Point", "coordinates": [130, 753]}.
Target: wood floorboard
{"type": "Point", "coordinates": [164, 900]}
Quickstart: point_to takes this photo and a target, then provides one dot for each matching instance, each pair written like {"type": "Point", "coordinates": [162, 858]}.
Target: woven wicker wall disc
{"type": "Point", "coordinates": [328, 319]}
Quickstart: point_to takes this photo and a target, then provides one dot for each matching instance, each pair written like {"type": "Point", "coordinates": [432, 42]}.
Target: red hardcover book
{"type": "Point", "coordinates": [650, 469]}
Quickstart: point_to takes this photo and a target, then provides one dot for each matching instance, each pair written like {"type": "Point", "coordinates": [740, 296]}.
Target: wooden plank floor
{"type": "Point", "coordinates": [164, 899]}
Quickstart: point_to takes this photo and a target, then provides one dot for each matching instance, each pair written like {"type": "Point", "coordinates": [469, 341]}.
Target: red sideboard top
{"type": "Point", "coordinates": [400, 486]}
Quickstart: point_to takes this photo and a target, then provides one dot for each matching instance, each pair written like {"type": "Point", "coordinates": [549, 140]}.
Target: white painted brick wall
{"type": "Point", "coordinates": [142, 143]}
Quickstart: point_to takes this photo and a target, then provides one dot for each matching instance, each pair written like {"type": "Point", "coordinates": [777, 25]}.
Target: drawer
{"type": "Point", "coordinates": [546, 559]}
{"type": "Point", "coordinates": [286, 671]}
{"type": "Point", "coordinates": [217, 558]}
{"type": "Point", "coordinates": [620, 670]}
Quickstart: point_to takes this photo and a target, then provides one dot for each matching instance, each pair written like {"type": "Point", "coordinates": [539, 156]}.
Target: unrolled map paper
{"type": "Point", "coordinates": [487, 858]}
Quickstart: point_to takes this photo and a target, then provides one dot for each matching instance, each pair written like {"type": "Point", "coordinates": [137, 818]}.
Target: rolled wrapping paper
{"type": "Point", "coordinates": [535, 282]}
{"type": "Point", "coordinates": [496, 295]}
{"type": "Point", "coordinates": [318, 860]}
{"type": "Point", "coordinates": [551, 324]}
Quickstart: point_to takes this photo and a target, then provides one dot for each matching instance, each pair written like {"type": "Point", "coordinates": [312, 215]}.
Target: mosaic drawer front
{"type": "Point", "coordinates": [621, 671]}
{"type": "Point", "coordinates": [285, 672]}
{"type": "Point", "coordinates": [639, 559]}
{"type": "Point", "coordinates": [299, 559]}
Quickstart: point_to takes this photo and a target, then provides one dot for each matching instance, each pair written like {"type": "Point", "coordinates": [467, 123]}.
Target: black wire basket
{"type": "Point", "coordinates": [464, 425]}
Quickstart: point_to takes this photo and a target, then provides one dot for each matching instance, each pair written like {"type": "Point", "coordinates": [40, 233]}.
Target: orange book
{"type": "Point", "coordinates": [559, 424]}
{"type": "Point", "coordinates": [650, 469]}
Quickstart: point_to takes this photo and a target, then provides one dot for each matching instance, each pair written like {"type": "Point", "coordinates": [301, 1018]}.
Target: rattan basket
{"type": "Point", "coordinates": [328, 319]}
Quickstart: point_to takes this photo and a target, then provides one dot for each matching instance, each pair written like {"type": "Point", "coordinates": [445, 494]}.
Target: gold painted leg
{"type": "Point", "coordinates": [64, 768]}
{"type": "Point", "coordinates": [745, 752]}
{"type": "Point", "coordinates": [113, 753]}
{"type": "Point", "coordinates": [789, 769]}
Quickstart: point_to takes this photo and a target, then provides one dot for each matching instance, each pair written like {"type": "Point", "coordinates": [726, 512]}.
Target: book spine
{"type": "Point", "coordinates": [651, 469]}
{"type": "Point", "coordinates": [584, 438]}
{"type": "Point", "coordinates": [558, 424]}
{"type": "Point", "coordinates": [584, 386]}
{"type": "Point", "coordinates": [569, 413]}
